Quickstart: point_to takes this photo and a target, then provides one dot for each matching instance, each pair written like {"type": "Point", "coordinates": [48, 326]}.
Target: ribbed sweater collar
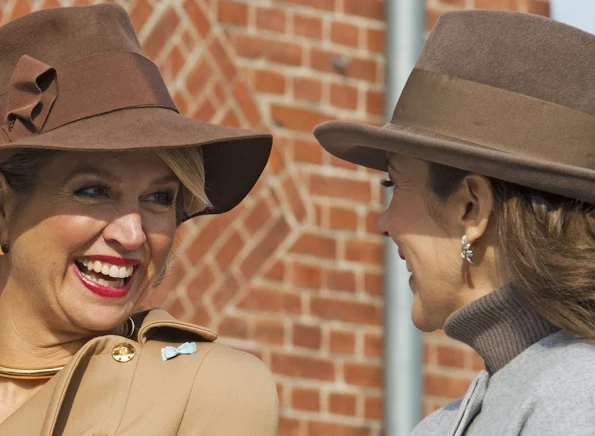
{"type": "Point", "coordinates": [498, 326]}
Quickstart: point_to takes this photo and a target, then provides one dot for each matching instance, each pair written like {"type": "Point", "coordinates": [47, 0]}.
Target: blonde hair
{"type": "Point", "coordinates": [187, 163]}
{"type": "Point", "coordinates": [548, 242]}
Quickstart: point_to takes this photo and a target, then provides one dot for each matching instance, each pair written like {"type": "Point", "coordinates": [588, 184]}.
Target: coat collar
{"type": "Point", "coordinates": [51, 397]}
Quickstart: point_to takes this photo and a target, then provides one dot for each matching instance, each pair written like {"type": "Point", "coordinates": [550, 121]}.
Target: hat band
{"type": "Point", "coordinates": [496, 118]}
{"type": "Point", "coordinates": [41, 98]}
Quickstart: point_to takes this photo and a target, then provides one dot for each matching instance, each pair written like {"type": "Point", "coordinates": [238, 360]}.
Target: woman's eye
{"type": "Point", "coordinates": [162, 198]}
{"type": "Point", "coordinates": [93, 191]}
{"type": "Point", "coordinates": [388, 184]}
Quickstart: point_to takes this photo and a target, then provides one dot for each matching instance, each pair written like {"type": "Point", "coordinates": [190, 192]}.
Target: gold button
{"type": "Point", "coordinates": [123, 352]}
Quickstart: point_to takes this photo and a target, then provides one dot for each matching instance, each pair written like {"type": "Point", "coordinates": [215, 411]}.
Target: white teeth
{"type": "Point", "coordinates": [107, 269]}
{"type": "Point", "coordinates": [109, 283]}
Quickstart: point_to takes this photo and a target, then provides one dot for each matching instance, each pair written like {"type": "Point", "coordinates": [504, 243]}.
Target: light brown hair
{"type": "Point", "coordinates": [548, 242]}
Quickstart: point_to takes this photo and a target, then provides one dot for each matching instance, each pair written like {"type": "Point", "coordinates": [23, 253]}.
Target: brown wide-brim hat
{"type": "Point", "coordinates": [508, 95]}
{"type": "Point", "coordinates": [77, 79]}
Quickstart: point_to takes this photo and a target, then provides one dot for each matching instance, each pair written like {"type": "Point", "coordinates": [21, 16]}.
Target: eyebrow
{"type": "Point", "coordinates": [114, 178]}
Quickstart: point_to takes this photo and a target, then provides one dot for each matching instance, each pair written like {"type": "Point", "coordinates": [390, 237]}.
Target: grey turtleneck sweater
{"type": "Point", "coordinates": [540, 381]}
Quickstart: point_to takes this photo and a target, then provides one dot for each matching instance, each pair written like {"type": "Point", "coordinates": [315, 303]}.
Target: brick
{"type": "Point", "coordinates": [508, 5]}
{"type": "Point", "coordinates": [258, 217]}
{"type": "Point", "coordinates": [290, 426]}
{"type": "Point", "coordinates": [197, 17]}
{"type": "Point", "coordinates": [341, 218]}
{"type": "Point", "coordinates": [232, 13]}
{"type": "Point", "coordinates": [296, 118]}
{"type": "Point", "coordinates": [315, 245]}
{"type": "Point", "coordinates": [305, 399]}
{"type": "Point", "coordinates": [20, 8]}
{"type": "Point", "coordinates": [307, 151]}
{"type": "Point", "coordinates": [306, 276]}
{"type": "Point", "coordinates": [322, 60]}
{"type": "Point", "coordinates": [375, 40]}
{"type": "Point", "coordinates": [363, 374]}
{"type": "Point", "coordinates": [340, 163]}
{"type": "Point", "coordinates": [340, 280]}
{"type": "Point", "coordinates": [342, 404]}
{"type": "Point", "coordinates": [328, 5]}
{"type": "Point", "coordinates": [343, 96]}
{"type": "Point", "coordinates": [295, 202]}
{"type": "Point", "coordinates": [375, 102]}
{"type": "Point", "coordinates": [539, 7]}
{"type": "Point", "coordinates": [305, 88]}
{"type": "Point", "coordinates": [307, 26]}
{"type": "Point", "coordinates": [450, 357]}
{"type": "Point", "coordinates": [373, 9]}
{"type": "Point", "coordinates": [198, 77]}
{"type": "Point", "coordinates": [230, 118]}
{"type": "Point", "coordinates": [233, 326]}
{"type": "Point", "coordinates": [222, 60]}
{"type": "Point", "coordinates": [442, 385]}
{"type": "Point", "coordinates": [431, 16]}
{"type": "Point", "coordinates": [165, 27]}
{"type": "Point", "coordinates": [373, 345]}
{"type": "Point", "coordinates": [372, 222]}
{"type": "Point", "coordinates": [340, 187]}
{"type": "Point", "coordinates": [345, 34]}
{"type": "Point", "coordinates": [246, 102]}
{"type": "Point", "coordinates": [477, 363]}
{"type": "Point", "coordinates": [261, 251]}
{"type": "Point", "coordinates": [205, 111]}
{"type": "Point", "coordinates": [202, 282]}
{"type": "Point", "coordinates": [140, 13]}
{"type": "Point", "coordinates": [347, 311]}
{"type": "Point", "coordinates": [225, 292]}
{"type": "Point", "coordinates": [202, 317]}
{"type": "Point", "coordinates": [287, 53]}
{"type": "Point", "coordinates": [228, 252]}
{"type": "Point", "coordinates": [374, 284]}
{"type": "Point", "coordinates": [271, 19]}
{"type": "Point", "coordinates": [458, 3]}
{"type": "Point", "coordinates": [275, 272]}
{"type": "Point", "coordinates": [373, 407]}
{"type": "Point", "coordinates": [365, 69]}
{"type": "Point", "coordinates": [177, 309]}
{"type": "Point", "coordinates": [248, 46]}
{"type": "Point", "coordinates": [306, 336]}
{"type": "Point", "coordinates": [269, 331]}
{"type": "Point", "coordinates": [302, 366]}
{"type": "Point", "coordinates": [364, 251]}
{"type": "Point", "coordinates": [342, 342]}
{"type": "Point", "coordinates": [271, 300]}
{"type": "Point", "coordinates": [332, 429]}
{"type": "Point", "coordinates": [269, 82]}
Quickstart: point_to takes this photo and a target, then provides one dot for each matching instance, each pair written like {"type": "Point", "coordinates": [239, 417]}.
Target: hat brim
{"type": "Point", "coordinates": [234, 158]}
{"type": "Point", "coordinates": [368, 145]}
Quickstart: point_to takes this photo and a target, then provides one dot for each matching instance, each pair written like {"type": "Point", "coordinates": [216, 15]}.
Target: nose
{"type": "Point", "coordinates": [381, 226]}
{"type": "Point", "coordinates": [127, 231]}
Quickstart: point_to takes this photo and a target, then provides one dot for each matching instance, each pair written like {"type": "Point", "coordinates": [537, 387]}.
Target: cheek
{"type": "Point", "coordinates": [160, 236]}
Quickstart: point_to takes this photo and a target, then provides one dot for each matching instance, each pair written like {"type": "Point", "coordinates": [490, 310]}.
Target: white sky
{"type": "Point", "coordinates": [577, 13]}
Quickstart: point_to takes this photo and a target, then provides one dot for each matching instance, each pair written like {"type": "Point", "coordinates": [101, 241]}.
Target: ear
{"type": "Point", "coordinates": [472, 206]}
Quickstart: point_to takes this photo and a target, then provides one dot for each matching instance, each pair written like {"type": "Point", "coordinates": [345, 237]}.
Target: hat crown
{"type": "Point", "coordinates": [522, 53]}
{"type": "Point", "coordinates": [62, 35]}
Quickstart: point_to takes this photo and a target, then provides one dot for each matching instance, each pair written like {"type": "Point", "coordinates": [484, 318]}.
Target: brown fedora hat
{"type": "Point", "coordinates": [77, 79]}
{"type": "Point", "coordinates": [504, 94]}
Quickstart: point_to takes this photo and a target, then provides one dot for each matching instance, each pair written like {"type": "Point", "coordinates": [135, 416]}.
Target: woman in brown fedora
{"type": "Point", "coordinates": [491, 157]}
{"type": "Point", "coordinates": [97, 170]}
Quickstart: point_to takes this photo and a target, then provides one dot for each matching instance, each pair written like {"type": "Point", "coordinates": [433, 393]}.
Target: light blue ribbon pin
{"type": "Point", "coordinates": [171, 352]}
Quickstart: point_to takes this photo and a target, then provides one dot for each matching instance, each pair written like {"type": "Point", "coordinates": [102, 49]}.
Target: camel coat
{"type": "Point", "coordinates": [216, 391]}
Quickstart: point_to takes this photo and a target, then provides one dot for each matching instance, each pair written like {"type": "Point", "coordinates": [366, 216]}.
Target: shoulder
{"type": "Point", "coordinates": [233, 393]}
{"type": "Point", "coordinates": [440, 420]}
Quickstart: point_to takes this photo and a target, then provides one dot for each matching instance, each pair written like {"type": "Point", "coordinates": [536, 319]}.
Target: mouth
{"type": "Point", "coordinates": [106, 278]}
{"type": "Point", "coordinates": [402, 256]}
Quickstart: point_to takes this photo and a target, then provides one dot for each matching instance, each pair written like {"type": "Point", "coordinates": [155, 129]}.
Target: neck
{"type": "Point", "coordinates": [498, 326]}
{"type": "Point", "coordinates": [28, 341]}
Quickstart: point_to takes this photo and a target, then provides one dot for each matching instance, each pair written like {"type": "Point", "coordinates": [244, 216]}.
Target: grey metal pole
{"type": "Point", "coordinates": [403, 381]}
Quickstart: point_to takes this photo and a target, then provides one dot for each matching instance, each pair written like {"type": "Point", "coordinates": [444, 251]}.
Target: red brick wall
{"type": "Point", "coordinates": [294, 274]}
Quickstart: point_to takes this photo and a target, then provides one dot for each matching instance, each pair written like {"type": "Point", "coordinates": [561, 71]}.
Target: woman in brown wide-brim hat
{"type": "Point", "coordinates": [97, 170]}
{"type": "Point", "coordinates": [491, 157]}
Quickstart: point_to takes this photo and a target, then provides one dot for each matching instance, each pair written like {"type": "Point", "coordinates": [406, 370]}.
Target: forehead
{"type": "Point", "coordinates": [404, 164]}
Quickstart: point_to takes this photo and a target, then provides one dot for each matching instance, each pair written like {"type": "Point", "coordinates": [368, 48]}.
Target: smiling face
{"type": "Point", "coordinates": [90, 240]}
{"type": "Point", "coordinates": [431, 247]}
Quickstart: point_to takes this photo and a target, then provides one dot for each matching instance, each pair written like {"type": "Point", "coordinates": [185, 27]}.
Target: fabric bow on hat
{"type": "Point", "coordinates": [33, 88]}
{"type": "Point", "coordinates": [171, 352]}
